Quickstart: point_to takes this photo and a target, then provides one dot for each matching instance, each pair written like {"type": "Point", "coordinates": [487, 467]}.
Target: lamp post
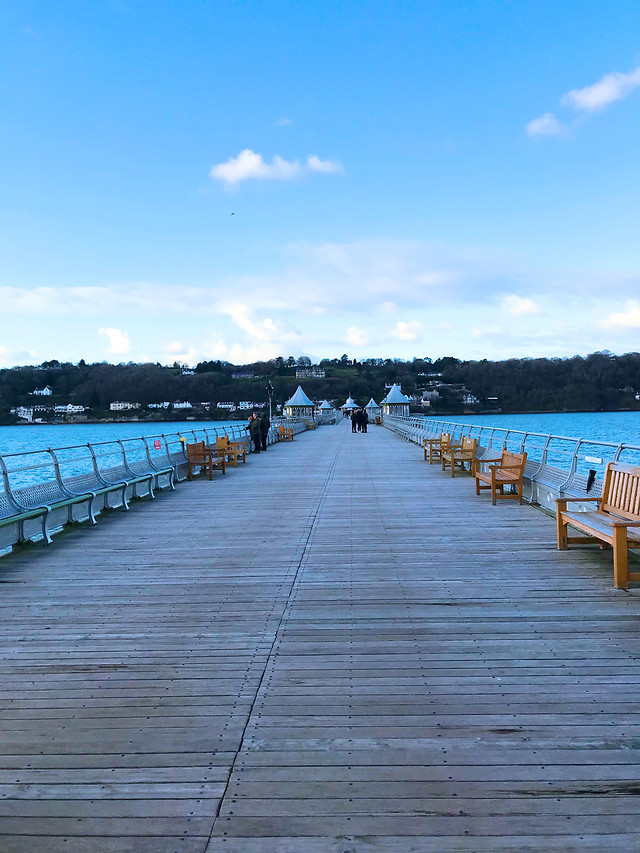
{"type": "Point", "coordinates": [269, 390]}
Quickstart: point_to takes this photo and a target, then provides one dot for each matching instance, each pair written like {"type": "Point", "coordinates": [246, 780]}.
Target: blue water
{"type": "Point", "coordinates": [593, 427]}
{"type": "Point", "coordinates": [598, 426]}
{"type": "Point", "coordinates": [19, 439]}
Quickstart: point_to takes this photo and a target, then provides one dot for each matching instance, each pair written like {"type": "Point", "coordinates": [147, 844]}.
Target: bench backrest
{"type": "Point", "coordinates": [621, 491]}
{"type": "Point", "coordinates": [509, 458]}
{"type": "Point", "coordinates": [445, 440]}
{"type": "Point", "coordinates": [222, 442]}
{"type": "Point", "coordinates": [469, 444]}
{"type": "Point", "coordinates": [195, 451]}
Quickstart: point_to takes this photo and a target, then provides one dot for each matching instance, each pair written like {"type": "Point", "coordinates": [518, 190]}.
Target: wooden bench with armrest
{"type": "Point", "coordinates": [230, 451]}
{"type": "Point", "coordinates": [508, 470]}
{"type": "Point", "coordinates": [199, 456]}
{"type": "Point", "coordinates": [311, 424]}
{"type": "Point", "coordinates": [286, 433]}
{"type": "Point", "coordinates": [433, 447]}
{"type": "Point", "coordinates": [615, 522]}
{"type": "Point", "coordinates": [457, 455]}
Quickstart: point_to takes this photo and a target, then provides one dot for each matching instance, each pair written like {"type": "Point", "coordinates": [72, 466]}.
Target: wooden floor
{"type": "Point", "coordinates": [329, 650]}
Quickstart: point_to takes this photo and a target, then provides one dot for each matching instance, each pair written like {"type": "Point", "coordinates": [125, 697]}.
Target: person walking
{"type": "Point", "coordinates": [255, 432]}
{"type": "Point", "coordinates": [265, 424]}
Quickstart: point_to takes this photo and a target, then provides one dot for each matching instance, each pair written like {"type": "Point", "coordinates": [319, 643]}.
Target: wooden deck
{"type": "Point", "coordinates": [329, 650]}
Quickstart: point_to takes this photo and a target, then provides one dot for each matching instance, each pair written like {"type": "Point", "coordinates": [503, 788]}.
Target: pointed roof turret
{"type": "Point", "coordinates": [325, 406]}
{"type": "Point", "coordinates": [395, 396]}
{"type": "Point", "coordinates": [299, 399]}
{"type": "Point", "coordinates": [372, 404]}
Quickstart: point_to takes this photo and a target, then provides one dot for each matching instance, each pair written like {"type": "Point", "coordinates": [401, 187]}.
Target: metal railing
{"type": "Point", "coordinates": [556, 466]}
{"type": "Point", "coordinates": [45, 476]}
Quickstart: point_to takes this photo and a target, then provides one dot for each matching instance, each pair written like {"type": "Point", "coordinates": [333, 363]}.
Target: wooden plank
{"type": "Point", "coordinates": [336, 672]}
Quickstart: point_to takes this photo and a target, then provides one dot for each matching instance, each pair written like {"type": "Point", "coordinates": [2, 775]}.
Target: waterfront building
{"type": "Point", "coordinates": [42, 392]}
{"type": "Point", "coordinates": [120, 406]}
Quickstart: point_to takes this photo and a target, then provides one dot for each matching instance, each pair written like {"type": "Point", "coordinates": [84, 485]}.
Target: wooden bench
{"type": "Point", "coordinates": [508, 471]}
{"type": "Point", "coordinates": [286, 433]}
{"type": "Point", "coordinates": [311, 424]}
{"type": "Point", "coordinates": [199, 456]}
{"type": "Point", "coordinates": [230, 451]}
{"type": "Point", "coordinates": [612, 523]}
{"type": "Point", "coordinates": [433, 447]}
{"type": "Point", "coordinates": [457, 455]}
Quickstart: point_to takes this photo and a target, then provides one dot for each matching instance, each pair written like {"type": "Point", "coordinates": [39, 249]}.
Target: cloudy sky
{"type": "Point", "coordinates": [240, 180]}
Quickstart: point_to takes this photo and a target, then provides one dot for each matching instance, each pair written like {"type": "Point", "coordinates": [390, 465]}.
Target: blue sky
{"type": "Point", "coordinates": [241, 180]}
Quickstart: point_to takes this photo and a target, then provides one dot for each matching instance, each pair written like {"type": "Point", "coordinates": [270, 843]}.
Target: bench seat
{"type": "Point", "coordinates": [508, 470]}
{"type": "Point", "coordinates": [615, 522]}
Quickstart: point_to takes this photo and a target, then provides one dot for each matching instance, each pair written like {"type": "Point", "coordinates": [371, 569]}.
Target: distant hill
{"type": "Point", "coordinates": [600, 381]}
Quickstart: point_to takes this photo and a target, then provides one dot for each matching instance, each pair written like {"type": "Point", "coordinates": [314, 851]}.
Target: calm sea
{"type": "Point", "coordinates": [17, 439]}
{"type": "Point", "coordinates": [597, 426]}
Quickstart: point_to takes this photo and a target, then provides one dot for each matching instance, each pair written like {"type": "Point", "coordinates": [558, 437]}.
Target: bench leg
{"type": "Point", "coordinates": [620, 558]}
{"type": "Point", "coordinates": [561, 532]}
{"type": "Point", "coordinates": [477, 486]}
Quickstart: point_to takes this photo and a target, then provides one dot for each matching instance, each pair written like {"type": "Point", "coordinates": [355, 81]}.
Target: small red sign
{"type": "Point", "coordinates": [157, 444]}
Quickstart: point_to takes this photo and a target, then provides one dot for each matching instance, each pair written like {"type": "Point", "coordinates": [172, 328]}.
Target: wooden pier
{"type": "Point", "coordinates": [328, 650]}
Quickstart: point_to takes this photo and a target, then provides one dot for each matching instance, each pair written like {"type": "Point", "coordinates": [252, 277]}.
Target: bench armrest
{"type": "Point", "coordinates": [503, 467]}
{"type": "Point", "coordinates": [625, 523]}
{"type": "Point", "coordinates": [490, 460]}
{"type": "Point", "coordinates": [577, 500]}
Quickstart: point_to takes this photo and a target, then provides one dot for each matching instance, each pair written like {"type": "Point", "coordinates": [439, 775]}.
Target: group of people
{"type": "Point", "coordinates": [359, 420]}
{"type": "Point", "coordinates": [259, 430]}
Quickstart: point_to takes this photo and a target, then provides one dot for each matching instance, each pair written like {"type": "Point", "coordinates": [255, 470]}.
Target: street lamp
{"type": "Point", "coordinates": [269, 390]}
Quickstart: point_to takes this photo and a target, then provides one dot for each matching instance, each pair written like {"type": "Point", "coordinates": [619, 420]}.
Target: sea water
{"type": "Point", "coordinates": [28, 437]}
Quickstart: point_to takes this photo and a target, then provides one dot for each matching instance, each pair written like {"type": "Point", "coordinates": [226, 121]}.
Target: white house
{"type": "Point", "coordinates": [42, 392]}
{"type": "Point", "coordinates": [119, 406]}
{"type": "Point", "coordinates": [164, 405]}
{"type": "Point", "coordinates": [230, 406]}
{"type": "Point", "coordinates": [180, 405]}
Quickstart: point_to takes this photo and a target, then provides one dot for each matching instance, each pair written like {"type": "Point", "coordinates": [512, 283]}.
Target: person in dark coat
{"type": "Point", "coordinates": [354, 420]}
{"type": "Point", "coordinates": [364, 420]}
{"type": "Point", "coordinates": [265, 424]}
{"type": "Point", "coordinates": [255, 432]}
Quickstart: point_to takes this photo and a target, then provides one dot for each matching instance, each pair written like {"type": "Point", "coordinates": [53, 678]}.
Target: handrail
{"type": "Point", "coordinates": [556, 465]}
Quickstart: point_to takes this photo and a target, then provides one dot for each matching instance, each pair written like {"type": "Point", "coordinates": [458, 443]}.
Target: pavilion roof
{"type": "Point", "coordinates": [395, 395]}
{"type": "Point", "coordinates": [299, 399]}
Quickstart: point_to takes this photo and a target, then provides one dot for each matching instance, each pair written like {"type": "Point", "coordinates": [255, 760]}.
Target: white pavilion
{"type": "Point", "coordinates": [373, 409]}
{"type": "Point", "coordinates": [299, 406]}
{"type": "Point", "coordinates": [349, 407]}
{"type": "Point", "coordinates": [396, 403]}
{"type": "Point", "coordinates": [325, 413]}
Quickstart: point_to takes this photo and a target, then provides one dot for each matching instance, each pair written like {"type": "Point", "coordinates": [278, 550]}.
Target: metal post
{"type": "Point", "coordinates": [269, 390]}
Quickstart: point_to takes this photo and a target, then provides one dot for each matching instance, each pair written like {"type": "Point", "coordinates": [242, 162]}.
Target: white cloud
{"type": "Point", "coordinates": [628, 319]}
{"type": "Point", "coordinates": [249, 165]}
{"type": "Point", "coordinates": [282, 122]}
{"type": "Point", "coordinates": [611, 87]}
{"type": "Point", "coordinates": [545, 125]}
{"type": "Point", "coordinates": [9, 357]}
{"type": "Point", "coordinates": [356, 337]}
{"type": "Point", "coordinates": [118, 341]}
{"type": "Point", "coordinates": [407, 331]}
{"type": "Point", "coordinates": [175, 351]}
{"type": "Point", "coordinates": [326, 166]}
{"type": "Point", "coordinates": [518, 305]}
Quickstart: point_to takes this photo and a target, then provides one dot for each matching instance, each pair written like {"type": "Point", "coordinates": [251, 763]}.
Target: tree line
{"type": "Point", "coordinates": [598, 382]}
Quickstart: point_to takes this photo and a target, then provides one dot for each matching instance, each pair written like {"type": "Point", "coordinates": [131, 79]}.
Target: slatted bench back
{"type": "Point", "coordinates": [621, 491]}
{"type": "Point", "coordinates": [469, 444]}
{"type": "Point", "coordinates": [509, 458]}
